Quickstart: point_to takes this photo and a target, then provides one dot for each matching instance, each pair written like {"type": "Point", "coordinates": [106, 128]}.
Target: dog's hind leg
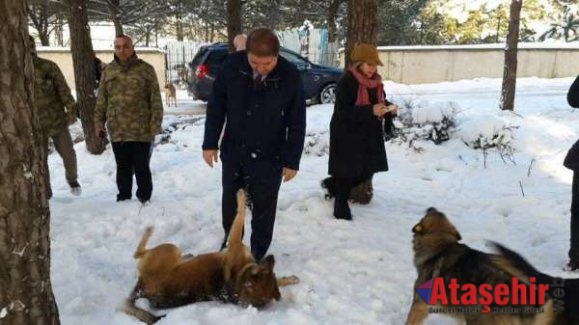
{"type": "Point", "coordinates": [287, 280]}
{"type": "Point", "coordinates": [130, 308]}
{"type": "Point", "coordinates": [236, 233]}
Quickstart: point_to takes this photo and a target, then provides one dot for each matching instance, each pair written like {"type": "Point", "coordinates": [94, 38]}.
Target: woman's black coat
{"type": "Point", "coordinates": [356, 135]}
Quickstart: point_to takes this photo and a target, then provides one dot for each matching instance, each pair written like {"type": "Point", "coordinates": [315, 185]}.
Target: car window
{"type": "Point", "coordinates": [299, 62]}
{"type": "Point", "coordinates": [199, 56]}
{"type": "Point", "coordinates": [216, 57]}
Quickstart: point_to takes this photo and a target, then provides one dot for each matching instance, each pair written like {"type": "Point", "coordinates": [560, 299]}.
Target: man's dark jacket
{"type": "Point", "coordinates": [264, 124]}
{"type": "Point", "coordinates": [572, 159]}
{"type": "Point", "coordinates": [573, 94]}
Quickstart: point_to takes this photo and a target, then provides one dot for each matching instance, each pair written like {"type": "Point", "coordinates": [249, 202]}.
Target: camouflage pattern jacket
{"type": "Point", "coordinates": [129, 100]}
{"type": "Point", "coordinates": [51, 95]}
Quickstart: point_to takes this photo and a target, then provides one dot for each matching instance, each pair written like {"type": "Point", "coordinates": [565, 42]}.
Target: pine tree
{"type": "Point", "coordinates": [26, 295]}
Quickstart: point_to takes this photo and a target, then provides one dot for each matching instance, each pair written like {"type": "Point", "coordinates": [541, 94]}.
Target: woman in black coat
{"type": "Point", "coordinates": [357, 127]}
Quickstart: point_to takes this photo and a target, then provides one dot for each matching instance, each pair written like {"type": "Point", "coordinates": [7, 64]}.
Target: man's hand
{"type": "Point", "coordinates": [210, 156]}
{"type": "Point", "coordinates": [288, 174]}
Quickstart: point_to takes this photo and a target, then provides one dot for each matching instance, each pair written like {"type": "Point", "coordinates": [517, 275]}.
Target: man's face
{"type": "Point", "coordinates": [262, 64]}
{"type": "Point", "coordinates": [123, 48]}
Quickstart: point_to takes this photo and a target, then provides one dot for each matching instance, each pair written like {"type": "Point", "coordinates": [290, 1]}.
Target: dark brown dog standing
{"type": "Point", "coordinates": [167, 279]}
{"type": "Point", "coordinates": [170, 94]}
{"type": "Point", "coordinates": [438, 253]}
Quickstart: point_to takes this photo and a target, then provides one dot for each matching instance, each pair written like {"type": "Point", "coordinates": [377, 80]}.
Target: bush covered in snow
{"type": "Point", "coordinates": [488, 132]}
{"type": "Point", "coordinates": [317, 143]}
{"type": "Point", "coordinates": [426, 121]}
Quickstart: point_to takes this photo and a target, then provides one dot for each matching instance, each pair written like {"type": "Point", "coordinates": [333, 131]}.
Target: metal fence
{"type": "Point", "coordinates": [177, 58]}
{"type": "Point", "coordinates": [311, 44]}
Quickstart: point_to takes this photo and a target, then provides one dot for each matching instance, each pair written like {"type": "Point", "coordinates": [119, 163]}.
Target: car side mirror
{"type": "Point", "coordinates": [308, 66]}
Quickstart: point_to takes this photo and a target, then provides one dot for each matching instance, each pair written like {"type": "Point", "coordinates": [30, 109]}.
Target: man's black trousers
{"type": "Point", "coordinates": [262, 196]}
{"type": "Point", "coordinates": [133, 158]}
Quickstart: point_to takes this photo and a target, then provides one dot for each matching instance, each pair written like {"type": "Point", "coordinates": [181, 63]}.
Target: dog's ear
{"type": "Point", "coordinates": [431, 210]}
{"type": "Point", "coordinates": [267, 263]}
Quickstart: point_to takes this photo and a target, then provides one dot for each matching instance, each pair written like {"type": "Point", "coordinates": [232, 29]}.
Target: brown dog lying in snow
{"type": "Point", "coordinates": [169, 279]}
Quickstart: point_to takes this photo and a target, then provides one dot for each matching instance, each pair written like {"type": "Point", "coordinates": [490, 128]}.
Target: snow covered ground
{"type": "Point", "coordinates": [358, 272]}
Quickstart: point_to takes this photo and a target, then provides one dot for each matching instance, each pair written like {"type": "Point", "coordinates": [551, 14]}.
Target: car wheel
{"type": "Point", "coordinates": [328, 94]}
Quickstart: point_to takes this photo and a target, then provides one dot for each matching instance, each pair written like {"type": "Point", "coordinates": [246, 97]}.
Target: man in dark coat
{"type": "Point", "coordinates": [573, 94]}
{"type": "Point", "coordinates": [259, 97]}
{"type": "Point", "coordinates": [572, 162]}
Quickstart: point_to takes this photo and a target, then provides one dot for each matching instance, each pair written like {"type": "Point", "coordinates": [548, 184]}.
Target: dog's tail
{"type": "Point", "coordinates": [515, 264]}
{"type": "Point", "coordinates": [236, 231]}
{"type": "Point", "coordinates": [141, 248]}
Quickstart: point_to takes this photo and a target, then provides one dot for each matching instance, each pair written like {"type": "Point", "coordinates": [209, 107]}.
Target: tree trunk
{"type": "Point", "coordinates": [147, 36]}
{"type": "Point", "coordinates": [44, 38]}
{"type": "Point", "coordinates": [59, 30]}
{"type": "Point", "coordinates": [332, 13]}
{"type": "Point", "coordinates": [362, 24]}
{"type": "Point", "coordinates": [118, 25]}
{"type": "Point", "coordinates": [179, 30]}
{"type": "Point", "coordinates": [510, 71]}
{"type": "Point", "coordinates": [233, 21]}
{"type": "Point", "coordinates": [179, 21]}
{"type": "Point", "coordinates": [26, 295]}
{"type": "Point", "coordinates": [156, 33]}
{"type": "Point", "coordinates": [113, 7]}
{"type": "Point", "coordinates": [39, 14]}
{"type": "Point", "coordinates": [84, 74]}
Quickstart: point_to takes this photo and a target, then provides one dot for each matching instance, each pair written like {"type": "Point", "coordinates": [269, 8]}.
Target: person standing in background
{"type": "Point", "coordinates": [129, 101]}
{"type": "Point", "coordinates": [51, 96]}
{"type": "Point", "coordinates": [572, 162]}
{"type": "Point", "coordinates": [357, 149]}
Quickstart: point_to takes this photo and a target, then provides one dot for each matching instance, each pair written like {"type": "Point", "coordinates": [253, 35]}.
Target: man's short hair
{"type": "Point", "coordinates": [125, 37]}
{"type": "Point", "coordinates": [262, 42]}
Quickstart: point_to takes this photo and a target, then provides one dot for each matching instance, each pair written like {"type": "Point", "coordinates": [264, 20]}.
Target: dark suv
{"type": "Point", "coordinates": [319, 81]}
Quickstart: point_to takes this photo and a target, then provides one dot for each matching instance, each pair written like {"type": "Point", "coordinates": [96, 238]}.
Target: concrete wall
{"type": "Point", "coordinates": [430, 64]}
{"type": "Point", "coordinates": [63, 58]}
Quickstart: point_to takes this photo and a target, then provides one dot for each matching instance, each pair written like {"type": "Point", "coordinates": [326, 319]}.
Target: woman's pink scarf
{"type": "Point", "coordinates": [364, 84]}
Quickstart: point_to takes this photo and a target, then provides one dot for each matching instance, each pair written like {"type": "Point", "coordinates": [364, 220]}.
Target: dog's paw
{"type": "Point", "coordinates": [288, 280]}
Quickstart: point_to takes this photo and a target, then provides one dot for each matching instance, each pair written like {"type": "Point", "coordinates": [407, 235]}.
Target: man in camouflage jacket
{"type": "Point", "coordinates": [129, 101]}
{"type": "Point", "coordinates": [51, 96]}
